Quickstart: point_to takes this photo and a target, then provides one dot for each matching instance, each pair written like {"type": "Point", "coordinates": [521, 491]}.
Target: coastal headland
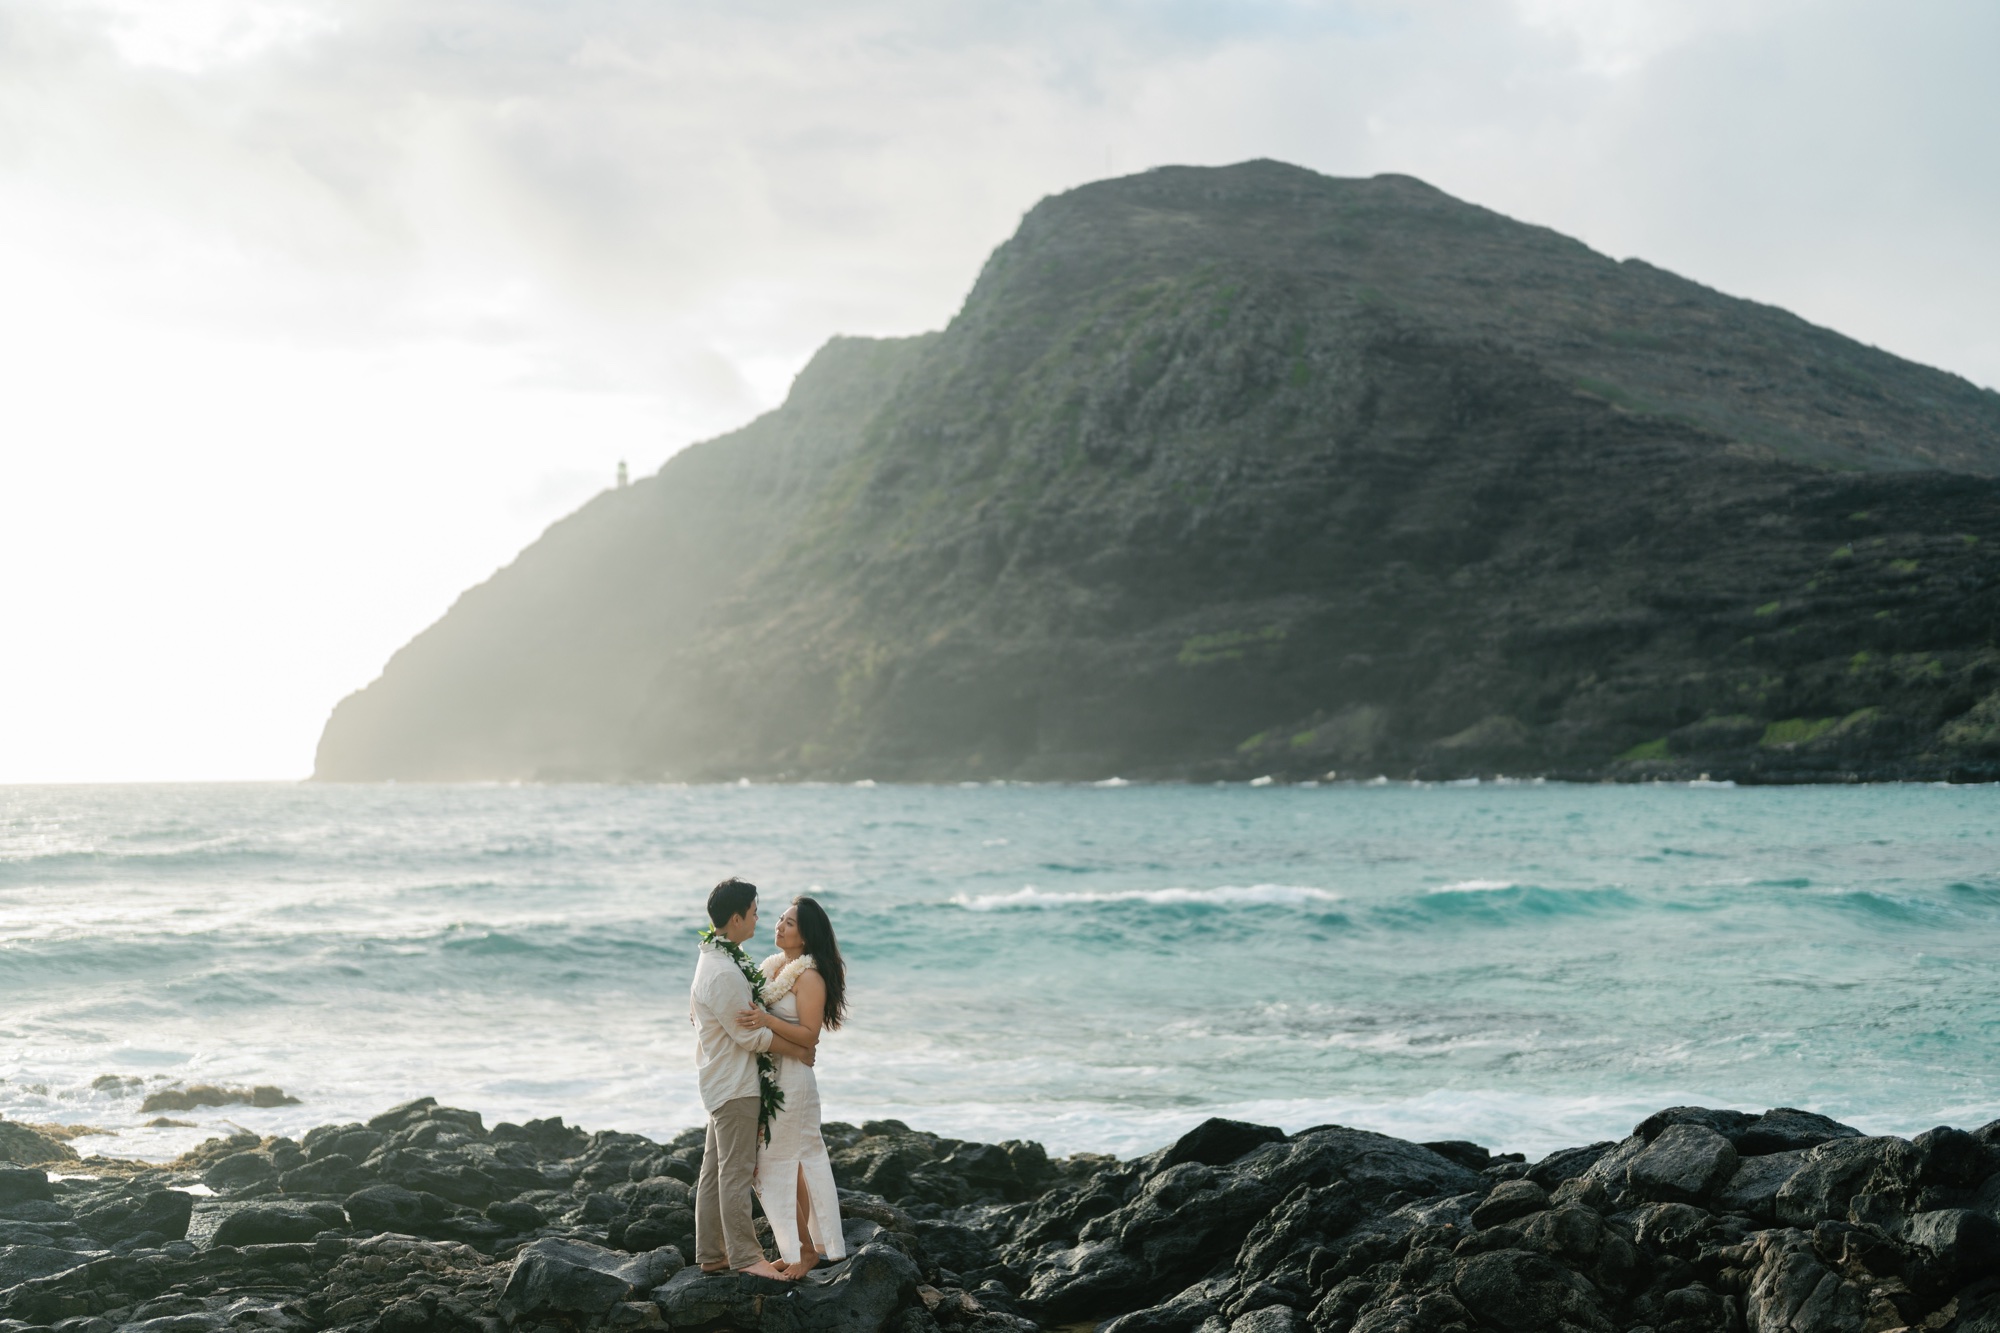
{"type": "Point", "coordinates": [1232, 472]}
{"type": "Point", "coordinates": [424, 1218]}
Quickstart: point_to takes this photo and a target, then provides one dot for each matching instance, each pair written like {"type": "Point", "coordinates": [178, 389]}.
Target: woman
{"type": "Point", "coordinates": [805, 992]}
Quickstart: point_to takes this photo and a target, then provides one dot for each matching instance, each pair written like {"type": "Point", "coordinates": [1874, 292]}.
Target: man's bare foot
{"type": "Point", "coordinates": [807, 1261]}
{"type": "Point", "coordinates": [715, 1268]}
{"type": "Point", "coordinates": [763, 1268]}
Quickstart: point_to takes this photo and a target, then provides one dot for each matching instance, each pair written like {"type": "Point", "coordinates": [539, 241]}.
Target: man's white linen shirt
{"type": "Point", "coordinates": [726, 1058]}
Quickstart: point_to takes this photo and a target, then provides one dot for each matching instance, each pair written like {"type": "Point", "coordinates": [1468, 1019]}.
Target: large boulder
{"type": "Point", "coordinates": [1683, 1164]}
{"type": "Point", "coordinates": [410, 1114]}
{"type": "Point", "coordinates": [1013, 1171]}
{"type": "Point", "coordinates": [1511, 1199]}
{"type": "Point", "coordinates": [276, 1224]}
{"type": "Point", "coordinates": [20, 1263]}
{"type": "Point", "coordinates": [1946, 1163]}
{"type": "Point", "coordinates": [162, 1214]}
{"type": "Point", "coordinates": [30, 1147]}
{"type": "Point", "coordinates": [1182, 1312]}
{"type": "Point", "coordinates": [1792, 1290]}
{"type": "Point", "coordinates": [1308, 1216]}
{"type": "Point", "coordinates": [958, 1248]}
{"type": "Point", "coordinates": [1579, 1238]}
{"type": "Point", "coordinates": [18, 1184]}
{"type": "Point", "coordinates": [1752, 1189]}
{"type": "Point", "coordinates": [558, 1276]}
{"type": "Point", "coordinates": [393, 1209]}
{"type": "Point", "coordinates": [1609, 1170]}
{"type": "Point", "coordinates": [1677, 1229]}
{"type": "Point", "coordinates": [857, 1296]}
{"type": "Point", "coordinates": [33, 1211]}
{"type": "Point", "coordinates": [1376, 1165]}
{"type": "Point", "coordinates": [1788, 1129]}
{"type": "Point", "coordinates": [1566, 1164]}
{"type": "Point", "coordinates": [1981, 1314]}
{"type": "Point", "coordinates": [240, 1171]}
{"type": "Point", "coordinates": [881, 1166]}
{"type": "Point", "coordinates": [389, 1208]}
{"type": "Point", "coordinates": [1726, 1123]}
{"type": "Point", "coordinates": [1959, 1245]}
{"type": "Point", "coordinates": [440, 1171]}
{"type": "Point", "coordinates": [1831, 1175]}
{"type": "Point", "coordinates": [332, 1173]}
{"type": "Point", "coordinates": [1270, 1319]}
{"type": "Point", "coordinates": [516, 1216]}
{"type": "Point", "coordinates": [1218, 1142]}
{"type": "Point", "coordinates": [1183, 1221]}
{"type": "Point", "coordinates": [1093, 1278]}
{"type": "Point", "coordinates": [1527, 1293]}
{"type": "Point", "coordinates": [352, 1141]}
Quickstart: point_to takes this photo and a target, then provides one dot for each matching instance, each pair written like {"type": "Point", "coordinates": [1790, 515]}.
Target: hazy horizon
{"type": "Point", "coordinates": [319, 314]}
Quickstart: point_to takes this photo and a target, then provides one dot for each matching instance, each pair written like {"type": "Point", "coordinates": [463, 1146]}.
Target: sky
{"type": "Point", "coordinates": [314, 313]}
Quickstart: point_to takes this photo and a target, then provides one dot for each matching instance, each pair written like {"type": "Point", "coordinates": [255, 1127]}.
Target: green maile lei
{"type": "Point", "coordinates": [770, 1097]}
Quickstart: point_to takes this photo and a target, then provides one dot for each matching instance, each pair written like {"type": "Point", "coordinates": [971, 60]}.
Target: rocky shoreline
{"type": "Point", "coordinates": [426, 1219]}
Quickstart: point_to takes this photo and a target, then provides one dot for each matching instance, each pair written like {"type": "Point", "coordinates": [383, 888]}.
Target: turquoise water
{"type": "Point", "coordinates": [1096, 967]}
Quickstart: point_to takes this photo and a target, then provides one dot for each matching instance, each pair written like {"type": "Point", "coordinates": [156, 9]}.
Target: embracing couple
{"type": "Point", "coordinates": [757, 1030]}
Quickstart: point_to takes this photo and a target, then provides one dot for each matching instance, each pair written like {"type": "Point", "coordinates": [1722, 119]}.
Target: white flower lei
{"type": "Point", "coordinates": [779, 986]}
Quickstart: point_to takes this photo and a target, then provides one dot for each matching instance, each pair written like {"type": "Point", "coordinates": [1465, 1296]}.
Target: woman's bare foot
{"type": "Point", "coordinates": [807, 1261]}
{"type": "Point", "coordinates": [763, 1268]}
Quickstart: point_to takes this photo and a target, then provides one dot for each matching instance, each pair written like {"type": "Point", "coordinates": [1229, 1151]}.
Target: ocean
{"type": "Point", "coordinates": [1095, 967]}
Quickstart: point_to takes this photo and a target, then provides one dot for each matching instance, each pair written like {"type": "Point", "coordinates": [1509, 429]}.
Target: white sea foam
{"type": "Point", "coordinates": [1227, 895]}
{"type": "Point", "coordinates": [1476, 886]}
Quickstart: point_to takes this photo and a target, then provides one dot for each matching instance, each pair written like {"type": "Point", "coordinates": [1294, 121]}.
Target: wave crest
{"type": "Point", "coordinates": [1028, 897]}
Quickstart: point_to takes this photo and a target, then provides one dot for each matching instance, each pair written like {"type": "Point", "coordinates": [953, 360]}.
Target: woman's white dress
{"type": "Point", "coordinates": [796, 1147]}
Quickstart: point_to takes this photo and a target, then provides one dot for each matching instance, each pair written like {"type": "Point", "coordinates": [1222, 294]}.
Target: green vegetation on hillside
{"type": "Point", "coordinates": [1374, 478]}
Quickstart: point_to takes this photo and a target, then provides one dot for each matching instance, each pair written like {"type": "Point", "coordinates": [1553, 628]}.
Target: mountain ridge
{"type": "Point", "coordinates": [1234, 469]}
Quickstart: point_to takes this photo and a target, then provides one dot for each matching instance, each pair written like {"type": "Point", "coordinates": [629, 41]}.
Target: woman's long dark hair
{"type": "Point", "coordinates": [817, 933]}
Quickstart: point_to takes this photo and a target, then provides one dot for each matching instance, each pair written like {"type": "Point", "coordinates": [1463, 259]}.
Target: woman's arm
{"type": "Point", "coordinates": [810, 989]}
{"type": "Point", "coordinates": [805, 1055]}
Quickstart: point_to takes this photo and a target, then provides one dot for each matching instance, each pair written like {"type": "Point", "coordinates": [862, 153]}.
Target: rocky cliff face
{"type": "Point", "coordinates": [1249, 470]}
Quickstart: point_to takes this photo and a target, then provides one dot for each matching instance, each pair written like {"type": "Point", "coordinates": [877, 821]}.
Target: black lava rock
{"type": "Point", "coordinates": [163, 1214]}
{"type": "Point", "coordinates": [1219, 1142]}
{"type": "Point", "coordinates": [1330, 1230]}
{"type": "Point", "coordinates": [273, 1224]}
{"type": "Point", "coordinates": [19, 1184]}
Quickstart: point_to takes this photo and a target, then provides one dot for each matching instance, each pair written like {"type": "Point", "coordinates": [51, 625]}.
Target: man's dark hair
{"type": "Point", "coordinates": [730, 898]}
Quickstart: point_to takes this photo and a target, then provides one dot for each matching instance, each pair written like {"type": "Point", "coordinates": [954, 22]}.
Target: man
{"type": "Point", "coordinates": [726, 1067]}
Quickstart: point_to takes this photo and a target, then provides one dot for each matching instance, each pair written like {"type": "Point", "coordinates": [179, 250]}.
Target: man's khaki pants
{"type": "Point", "coordinates": [722, 1227]}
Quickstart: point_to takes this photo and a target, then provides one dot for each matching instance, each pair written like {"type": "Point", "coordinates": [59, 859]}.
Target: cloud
{"type": "Point", "coordinates": [727, 176]}
{"type": "Point", "coordinates": [351, 263]}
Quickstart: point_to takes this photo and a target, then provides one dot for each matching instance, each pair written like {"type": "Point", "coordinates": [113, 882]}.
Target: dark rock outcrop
{"type": "Point", "coordinates": [557, 1276]}
{"type": "Point", "coordinates": [1698, 1222]}
{"type": "Point", "coordinates": [22, 1145]}
{"type": "Point", "coordinates": [1684, 1164]}
{"type": "Point", "coordinates": [20, 1184]}
{"type": "Point", "coordinates": [869, 1288]}
{"type": "Point", "coordinates": [269, 1224]}
{"type": "Point", "coordinates": [1247, 470]}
